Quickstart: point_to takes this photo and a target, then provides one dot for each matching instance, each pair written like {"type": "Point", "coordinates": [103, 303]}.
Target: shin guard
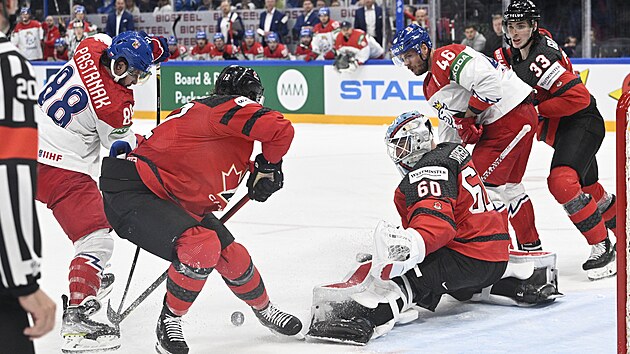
{"type": "Point", "coordinates": [242, 277]}
{"type": "Point", "coordinates": [197, 252]}
{"type": "Point", "coordinates": [564, 184]}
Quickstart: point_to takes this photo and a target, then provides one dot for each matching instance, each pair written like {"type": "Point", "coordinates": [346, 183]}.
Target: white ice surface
{"type": "Point", "coordinates": [338, 183]}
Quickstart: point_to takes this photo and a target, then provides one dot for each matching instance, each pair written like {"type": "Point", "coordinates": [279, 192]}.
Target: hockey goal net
{"type": "Point", "coordinates": [623, 222]}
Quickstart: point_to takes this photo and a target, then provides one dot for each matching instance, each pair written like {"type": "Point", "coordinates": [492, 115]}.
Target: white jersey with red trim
{"type": "Point", "coordinates": [85, 109]}
{"type": "Point", "coordinates": [28, 38]}
{"type": "Point", "coordinates": [462, 78]}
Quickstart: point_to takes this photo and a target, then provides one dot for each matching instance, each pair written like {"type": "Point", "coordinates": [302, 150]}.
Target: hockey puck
{"type": "Point", "coordinates": [237, 318]}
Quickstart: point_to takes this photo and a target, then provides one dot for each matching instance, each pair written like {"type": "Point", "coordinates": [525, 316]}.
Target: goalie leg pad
{"type": "Point", "coordinates": [353, 331]}
{"type": "Point", "coordinates": [531, 278]}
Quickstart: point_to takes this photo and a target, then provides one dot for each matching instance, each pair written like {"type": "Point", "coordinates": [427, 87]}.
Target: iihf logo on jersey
{"type": "Point", "coordinates": [445, 114]}
{"type": "Point", "coordinates": [231, 179]}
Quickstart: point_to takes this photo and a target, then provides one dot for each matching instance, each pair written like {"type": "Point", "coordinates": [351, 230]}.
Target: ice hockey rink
{"type": "Point", "coordinates": [339, 182]}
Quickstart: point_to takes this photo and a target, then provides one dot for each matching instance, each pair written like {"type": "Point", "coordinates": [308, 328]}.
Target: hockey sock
{"type": "Point", "coordinates": [198, 250]}
{"type": "Point", "coordinates": [606, 203]}
{"type": "Point", "coordinates": [242, 277]}
{"type": "Point", "coordinates": [85, 277]}
{"type": "Point", "coordinates": [564, 184]}
{"type": "Point", "coordinates": [522, 220]}
{"type": "Point", "coordinates": [92, 252]}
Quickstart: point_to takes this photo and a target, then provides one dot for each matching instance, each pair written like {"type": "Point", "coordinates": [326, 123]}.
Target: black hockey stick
{"type": "Point", "coordinates": [179, 17]}
{"type": "Point", "coordinates": [135, 257]}
{"type": "Point", "coordinates": [117, 317]}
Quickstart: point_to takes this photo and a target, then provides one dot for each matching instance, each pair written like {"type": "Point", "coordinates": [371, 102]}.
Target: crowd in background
{"type": "Point", "coordinates": [315, 35]}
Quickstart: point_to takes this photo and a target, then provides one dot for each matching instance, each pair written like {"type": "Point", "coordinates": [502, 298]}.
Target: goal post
{"type": "Point", "coordinates": [623, 224]}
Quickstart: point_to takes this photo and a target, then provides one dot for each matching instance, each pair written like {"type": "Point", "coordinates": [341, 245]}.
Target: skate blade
{"type": "Point", "coordinates": [299, 336]}
{"type": "Point", "coordinates": [334, 340]}
{"type": "Point", "coordinates": [77, 343]}
{"type": "Point", "coordinates": [604, 272]}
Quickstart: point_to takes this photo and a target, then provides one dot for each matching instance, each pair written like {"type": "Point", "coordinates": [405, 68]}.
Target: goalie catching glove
{"type": "Point", "coordinates": [398, 250]}
{"type": "Point", "coordinates": [266, 179]}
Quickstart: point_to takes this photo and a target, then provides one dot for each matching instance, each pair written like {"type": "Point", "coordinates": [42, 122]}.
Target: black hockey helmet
{"type": "Point", "coordinates": [521, 10]}
{"type": "Point", "coordinates": [239, 80]}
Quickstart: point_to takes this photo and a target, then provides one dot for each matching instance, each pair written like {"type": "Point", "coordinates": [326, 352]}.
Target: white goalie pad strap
{"type": "Point", "coordinates": [397, 250]}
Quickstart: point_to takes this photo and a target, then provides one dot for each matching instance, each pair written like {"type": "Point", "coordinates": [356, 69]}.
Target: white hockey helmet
{"type": "Point", "coordinates": [408, 138]}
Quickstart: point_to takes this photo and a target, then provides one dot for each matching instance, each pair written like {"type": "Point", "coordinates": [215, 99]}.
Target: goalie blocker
{"type": "Point", "coordinates": [364, 307]}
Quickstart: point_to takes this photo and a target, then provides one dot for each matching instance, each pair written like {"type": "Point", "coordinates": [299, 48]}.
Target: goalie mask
{"type": "Point", "coordinates": [408, 138]}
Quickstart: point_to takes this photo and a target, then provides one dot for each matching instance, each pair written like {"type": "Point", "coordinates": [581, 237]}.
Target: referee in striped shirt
{"type": "Point", "coordinates": [20, 243]}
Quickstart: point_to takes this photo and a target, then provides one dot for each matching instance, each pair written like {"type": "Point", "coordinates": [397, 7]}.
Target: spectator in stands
{"type": "Point", "coordinates": [75, 37]}
{"type": "Point", "coordinates": [326, 25]}
{"type": "Point", "coordinates": [202, 50]}
{"type": "Point", "coordinates": [304, 51]}
{"type": "Point", "coordinates": [495, 38]}
{"type": "Point", "coordinates": [206, 5]}
{"type": "Point", "coordinates": [186, 5]}
{"type": "Point", "coordinates": [176, 51]}
{"type": "Point", "coordinates": [308, 19]}
{"type": "Point", "coordinates": [61, 50]}
{"type": "Point", "coordinates": [119, 20]}
{"type": "Point", "coordinates": [230, 24]}
{"type": "Point", "coordinates": [422, 18]}
{"type": "Point", "coordinates": [292, 4]}
{"type": "Point", "coordinates": [132, 8]}
{"type": "Point", "coordinates": [272, 20]}
{"type": "Point", "coordinates": [474, 39]}
{"type": "Point", "coordinates": [163, 7]}
{"type": "Point", "coordinates": [250, 48]}
{"type": "Point", "coordinates": [369, 18]}
{"type": "Point", "coordinates": [222, 51]}
{"type": "Point", "coordinates": [245, 5]}
{"type": "Point", "coordinates": [335, 3]}
{"type": "Point", "coordinates": [569, 46]}
{"type": "Point", "coordinates": [27, 36]}
{"type": "Point", "coordinates": [147, 5]}
{"type": "Point", "coordinates": [79, 15]}
{"type": "Point", "coordinates": [274, 49]}
{"type": "Point", "coordinates": [357, 46]}
{"type": "Point", "coordinates": [51, 34]}
{"type": "Point", "coordinates": [321, 4]}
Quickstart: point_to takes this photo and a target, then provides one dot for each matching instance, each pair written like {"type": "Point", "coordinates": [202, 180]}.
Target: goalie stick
{"type": "Point", "coordinates": [117, 317]}
{"type": "Point", "coordinates": [526, 128]}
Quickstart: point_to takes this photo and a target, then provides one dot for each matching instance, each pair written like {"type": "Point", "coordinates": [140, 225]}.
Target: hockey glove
{"type": "Point", "coordinates": [468, 129]}
{"type": "Point", "coordinates": [397, 250]}
{"type": "Point", "coordinates": [119, 149]}
{"type": "Point", "coordinates": [266, 179]}
{"type": "Point", "coordinates": [159, 47]}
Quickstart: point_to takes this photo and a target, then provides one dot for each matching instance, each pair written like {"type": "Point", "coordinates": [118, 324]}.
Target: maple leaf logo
{"type": "Point", "coordinates": [231, 179]}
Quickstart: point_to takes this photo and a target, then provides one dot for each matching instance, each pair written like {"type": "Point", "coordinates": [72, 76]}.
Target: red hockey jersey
{"type": "Point", "coordinates": [329, 27]}
{"type": "Point", "coordinates": [444, 200]}
{"type": "Point", "coordinates": [281, 52]}
{"type": "Point", "coordinates": [202, 151]}
{"type": "Point", "coordinates": [305, 52]}
{"type": "Point", "coordinates": [559, 91]}
{"type": "Point", "coordinates": [256, 50]}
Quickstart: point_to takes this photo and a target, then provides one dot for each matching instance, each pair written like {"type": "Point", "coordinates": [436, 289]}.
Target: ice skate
{"type": "Point", "coordinates": [107, 284]}
{"type": "Point", "coordinates": [81, 334]}
{"type": "Point", "coordinates": [278, 321]}
{"type": "Point", "coordinates": [169, 334]}
{"type": "Point", "coordinates": [601, 263]}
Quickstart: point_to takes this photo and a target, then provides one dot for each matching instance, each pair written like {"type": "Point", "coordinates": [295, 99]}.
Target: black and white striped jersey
{"type": "Point", "coordinates": [20, 242]}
